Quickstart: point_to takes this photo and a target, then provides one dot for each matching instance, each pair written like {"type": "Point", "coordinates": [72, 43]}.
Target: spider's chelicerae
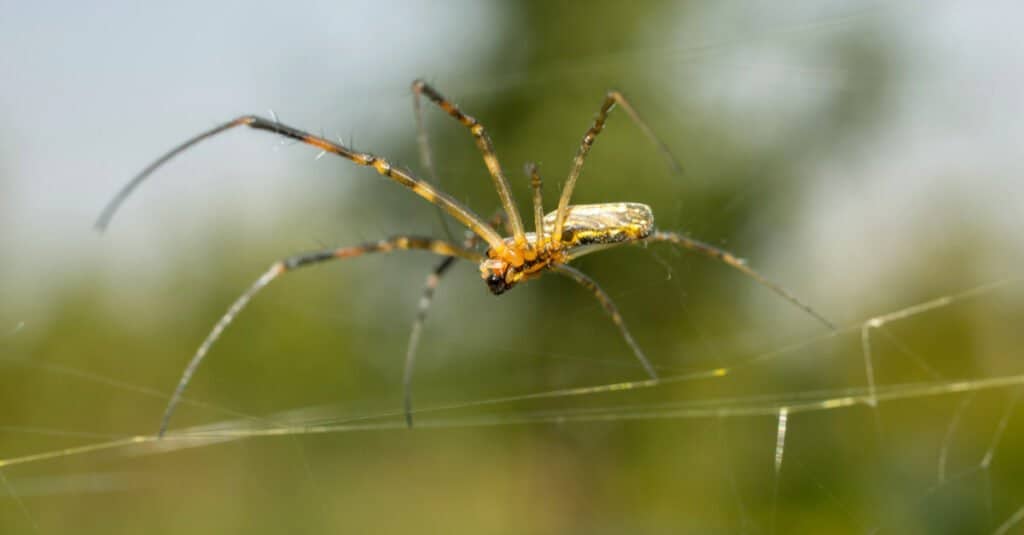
{"type": "Point", "coordinates": [557, 238]}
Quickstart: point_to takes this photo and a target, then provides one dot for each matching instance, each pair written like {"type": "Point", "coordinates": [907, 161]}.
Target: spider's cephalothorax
{"type": "Point", "coordinates": [558, 237]}
{"type": "Point", "coordinates": [587, 228]}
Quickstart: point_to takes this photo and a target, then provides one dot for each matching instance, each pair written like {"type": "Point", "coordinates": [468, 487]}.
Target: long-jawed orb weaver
{"type": "Point", "coordinates": [558, 237]}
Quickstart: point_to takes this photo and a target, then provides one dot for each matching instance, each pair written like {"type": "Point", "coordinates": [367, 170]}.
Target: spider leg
{"type": "Point", "coordinates": [611, 99]}
{"type": "Point", "coordinates": [438, 247]}
{"type": "Point", "coordinates": [426, 299]}
{"type": "Point", "coordinates": [611, 309]}
{"type": "Point", "coordinates": [427, 157]}
{"type": "Point", "coordinates": [486, 146]}
{"type": "Point", "coordinates": [417, 327]}
{"type": "Point", "coordinates": [538, 204]}
{"type": "Point", "coordinates": [738, 263]}
{"type": "Point", "coordinates": [420, 187]}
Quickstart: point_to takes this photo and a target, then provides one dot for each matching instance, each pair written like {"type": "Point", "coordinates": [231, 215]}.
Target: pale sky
{"type": "Point", "coordinates": [92, 94]}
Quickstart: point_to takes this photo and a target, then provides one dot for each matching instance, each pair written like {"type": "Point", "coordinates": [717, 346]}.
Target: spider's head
{"type": "Point", "coordinates": [499, 275]}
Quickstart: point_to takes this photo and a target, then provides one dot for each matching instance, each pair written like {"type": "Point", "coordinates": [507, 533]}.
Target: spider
{"type": "Point", "coordinates": [558, 238]}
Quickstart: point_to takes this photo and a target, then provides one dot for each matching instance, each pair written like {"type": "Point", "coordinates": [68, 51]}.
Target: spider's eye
{"type": "Point", "coordinates": [496, 284]}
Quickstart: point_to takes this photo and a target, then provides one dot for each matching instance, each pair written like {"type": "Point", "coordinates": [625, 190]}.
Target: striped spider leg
{"type": "Point", "coordinates": [606, 231]}
{"type": "Point", "coordinates": [738, 263]}
{"type": "Point", "coordinates": [426, 299]}
{"type": "Point", "coordinates": [559, 237]}
{"type": "Point", "coordinates": [541, 223]}
{"type": "Point", "coordinates": [438, 247]}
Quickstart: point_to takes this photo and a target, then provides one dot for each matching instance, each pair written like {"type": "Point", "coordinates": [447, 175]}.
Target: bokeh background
{"type": "Point", "coordinates": [864, 154]}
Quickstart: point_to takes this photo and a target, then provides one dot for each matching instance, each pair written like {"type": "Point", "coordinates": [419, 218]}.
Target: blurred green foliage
{"type": "Point", "coordinates": [99, 367]}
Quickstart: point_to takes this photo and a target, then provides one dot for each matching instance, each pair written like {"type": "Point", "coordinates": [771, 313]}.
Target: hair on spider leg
{"type": "Point", "coordinates": [322, 153]}
{"type": "Point", "coordinates": [352, 139]}
{"type": "Point", "coordinates": [558, 237]}
{"type": "Point", "coordinates": [282, 142]}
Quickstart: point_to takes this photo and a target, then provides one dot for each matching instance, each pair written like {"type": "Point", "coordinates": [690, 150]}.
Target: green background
{"type": "Point", "coordinates": [94, 361]}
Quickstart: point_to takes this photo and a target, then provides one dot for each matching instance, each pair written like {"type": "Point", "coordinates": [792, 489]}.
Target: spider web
{"type": "Point", "coordinates": [28, 479]}
{"type": "Point", "coordinates": [906, 419]}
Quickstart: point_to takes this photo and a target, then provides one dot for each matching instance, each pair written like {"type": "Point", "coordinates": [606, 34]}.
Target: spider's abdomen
{"type": "Point", "coordinates": [589, 227]}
